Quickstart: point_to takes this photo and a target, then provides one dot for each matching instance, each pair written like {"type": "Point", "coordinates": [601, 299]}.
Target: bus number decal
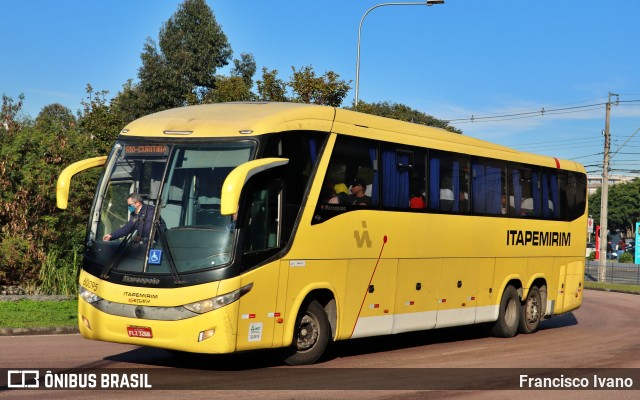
{"type": "Point", "coordinates": [90, 285]}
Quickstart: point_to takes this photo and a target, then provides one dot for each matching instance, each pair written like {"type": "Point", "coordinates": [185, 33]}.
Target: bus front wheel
{"type": "Point", "coordinates": [531, 312]}
{"type": "Point", "coordinates": [509, 315]}
{"type": "Point", "coordinates": [310, 335]}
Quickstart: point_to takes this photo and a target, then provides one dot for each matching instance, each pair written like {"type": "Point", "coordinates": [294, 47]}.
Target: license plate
{"type": "Point", "coordinates": [139, 331]}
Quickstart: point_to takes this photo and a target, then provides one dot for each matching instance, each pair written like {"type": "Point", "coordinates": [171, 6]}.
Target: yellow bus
{"type": "Point", "coordinates": [276, 225]}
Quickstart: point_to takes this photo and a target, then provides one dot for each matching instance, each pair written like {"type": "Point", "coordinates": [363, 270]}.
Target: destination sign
{"type": "Point", "coordinates": [132, 150]}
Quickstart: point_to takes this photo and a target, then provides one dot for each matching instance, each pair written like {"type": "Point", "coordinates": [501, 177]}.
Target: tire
{"type": "Point", "coordinates": [310, 335]}
{"type": "Point", "coordinates": [531, 312]}
{"type": "Point", "coordinates": [509, 316]}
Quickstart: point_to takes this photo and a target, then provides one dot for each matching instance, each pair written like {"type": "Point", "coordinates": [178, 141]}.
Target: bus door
{"type": "Point", "coordinates": [260, 222]}
{"type": "Point", "coordinates": [457, 292]}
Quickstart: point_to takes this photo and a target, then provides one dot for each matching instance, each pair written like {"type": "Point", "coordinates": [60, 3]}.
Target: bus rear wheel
{"type": "Point", "coordinates": [310, 335]}
{"type": "Point", "coordinates": [509, 315]}
{"type": "Point", "coordinates": [531, 312]}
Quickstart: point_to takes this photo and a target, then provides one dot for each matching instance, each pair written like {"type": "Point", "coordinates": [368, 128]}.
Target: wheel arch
{"type": "Point", "coordinates": [514, 281]}
{"type": "Point", "coordinates": [324, 295]}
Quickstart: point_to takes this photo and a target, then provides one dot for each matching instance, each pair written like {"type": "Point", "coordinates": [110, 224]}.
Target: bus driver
{"type": "Point", "coordinates": [140, 220]}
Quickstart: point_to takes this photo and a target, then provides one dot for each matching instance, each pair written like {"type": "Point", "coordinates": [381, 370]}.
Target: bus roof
{"type": "Point", "coordinates": [232, 119]}
{"type": "Point", "coordinates": [242, 119]}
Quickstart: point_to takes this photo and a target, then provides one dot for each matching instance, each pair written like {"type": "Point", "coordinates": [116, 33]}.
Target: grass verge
{"type": "Point", "coordinates": [38, 314]}
{"type": "Point", "coordinates": [614, 287]}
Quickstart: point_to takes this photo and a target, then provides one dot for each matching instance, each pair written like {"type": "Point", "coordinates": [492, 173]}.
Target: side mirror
{"type": "Point", "coordinates": [233, 184]}
{"type": "Point", "coordinates": [64, 180]}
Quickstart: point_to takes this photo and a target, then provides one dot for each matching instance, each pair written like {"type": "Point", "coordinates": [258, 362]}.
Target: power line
{"type": "Point", "coordinates": [558, 110]}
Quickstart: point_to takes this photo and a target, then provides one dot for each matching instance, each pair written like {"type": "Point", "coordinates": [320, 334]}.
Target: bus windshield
{"type": "Point", "coordinates": [179, 227]}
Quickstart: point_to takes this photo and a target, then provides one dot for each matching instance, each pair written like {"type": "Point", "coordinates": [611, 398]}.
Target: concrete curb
{"type": "Point", "coordinates": [54, 330]}
{"type": "Point", "coordinates": [36, 297]}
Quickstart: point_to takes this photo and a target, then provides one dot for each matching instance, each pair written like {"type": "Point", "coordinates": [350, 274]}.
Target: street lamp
{"type": "Point", "coordinates": [421, 3]}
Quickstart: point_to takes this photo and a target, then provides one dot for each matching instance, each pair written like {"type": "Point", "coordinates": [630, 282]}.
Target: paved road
{"type": "Point", "coordinates": [602, 334]}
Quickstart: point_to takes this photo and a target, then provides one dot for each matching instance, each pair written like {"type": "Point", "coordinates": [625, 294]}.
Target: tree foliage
{"type": "Point", "coordinates": [324, 90]}
{"type": "Point", "coordinates": [271, 88]}
{"type": "Point", "coordinates": [623, 207]}
{"type": "Point", "coordinates": [31, 158]}
{"type": "Point", "coordinates": [403, 113]}
{"type": "Point", "coordinates": [245, 68]}
{"type": "Point", "coordinates": [181, 68]}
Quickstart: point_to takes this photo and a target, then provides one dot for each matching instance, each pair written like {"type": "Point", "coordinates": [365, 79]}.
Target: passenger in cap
{"type": "Point", "coordinates": [358, 195]}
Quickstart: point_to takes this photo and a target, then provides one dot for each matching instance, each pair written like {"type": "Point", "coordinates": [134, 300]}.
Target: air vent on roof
{"type": "Point", "coordinates": [177, 132]}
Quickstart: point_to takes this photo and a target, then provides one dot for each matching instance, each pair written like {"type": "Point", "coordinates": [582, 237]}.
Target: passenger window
{"type": "Point", "coordinates": [575, 189]}
{"type": "Point", "coordinates": [488, 187]}
{"type": "Point", "coordinates": [550, 194]}
{"type": "Point", "coordinates": [448, 182]}
{"type": "Point", "coordinates": [351, 180]}
{"type": "Point", "coordinates": [403, 177]}
{"type": "Point", "coordinates": [524, 189]}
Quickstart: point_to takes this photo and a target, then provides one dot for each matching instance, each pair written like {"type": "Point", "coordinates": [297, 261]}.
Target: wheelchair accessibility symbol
{"type": "Point", "coordinates": [155, 257]}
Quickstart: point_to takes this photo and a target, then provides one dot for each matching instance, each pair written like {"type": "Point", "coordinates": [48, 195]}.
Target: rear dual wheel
{"type": "Point", "coordinates": [509, 314]}
{"type": "Point", "coordinates": [531, 311]}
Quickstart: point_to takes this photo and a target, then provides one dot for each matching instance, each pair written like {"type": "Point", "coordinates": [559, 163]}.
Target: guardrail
{"type": "Point", "coordinates": [616, 272]}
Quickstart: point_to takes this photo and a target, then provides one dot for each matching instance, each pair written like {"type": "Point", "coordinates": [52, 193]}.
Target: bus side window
{"type": "Point", "coordinates": [353, 160]}
{"type": "Point", "coordinates": [488, 187]}
{"type": "Point", "coordinates": [523, 185]}
{"type": "Point", "coordinates": [264, 217]}
{"type": "Point", "coordinates": [550, 194]}
{"type": "Point", "coordinates": [448, 182]}
{"type": "Point", "coordinates": [403, 177]}
{"type": "Point", "coordinates": [573, 185]}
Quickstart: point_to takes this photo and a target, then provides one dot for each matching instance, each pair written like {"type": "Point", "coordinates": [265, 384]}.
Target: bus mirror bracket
{"type": "Point", "coordinates": [64, 180]}
{"type": "Point", "coordinates": [233, 184]}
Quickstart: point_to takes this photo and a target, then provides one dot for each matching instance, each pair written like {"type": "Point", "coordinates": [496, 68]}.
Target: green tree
{"type": "Point", "coordinates": [623, 208]}
{"type": "Point", "coordinates": [403, 113]}
{"type": "Point", "coordinates": [326, 90]}
{"type": "Point", "coordinates": [229, 88]}
{"type": "Point", "coordinates": [270, 87]}
{"type": "Point", "coordinates": [245, 68]}
{"type": "Point", "coordinates": [100, 122]}
{"type": "Point", "coordinates": [192, 46]}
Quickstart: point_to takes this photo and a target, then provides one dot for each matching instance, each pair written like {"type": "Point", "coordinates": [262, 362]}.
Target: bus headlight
{"type": "Point", "coordinates": [204, 306]}
{"type": "Point", "coordinates": [88, 296]}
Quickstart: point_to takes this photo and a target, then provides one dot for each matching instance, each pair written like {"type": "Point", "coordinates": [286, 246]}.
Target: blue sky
{"type": "Point", "coordinates": [461, 59]}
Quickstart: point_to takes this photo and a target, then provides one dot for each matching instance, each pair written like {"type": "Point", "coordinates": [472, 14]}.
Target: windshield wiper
{"type": "Point", "coordinates": [159, 230]}
{"type": "Point", "coordinates": [170, 260]}
{"type": "Point", "coordinates": [117, 256]}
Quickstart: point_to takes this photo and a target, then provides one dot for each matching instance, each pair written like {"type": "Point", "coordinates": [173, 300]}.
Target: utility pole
{"type": "Point", "coordinates": [604, 195]}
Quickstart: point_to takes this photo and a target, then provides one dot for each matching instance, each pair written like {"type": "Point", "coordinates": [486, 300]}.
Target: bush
{"type": "Point", "coordinates": [58, 276]}
{"type": "Point", "coordinates": [626, 258]}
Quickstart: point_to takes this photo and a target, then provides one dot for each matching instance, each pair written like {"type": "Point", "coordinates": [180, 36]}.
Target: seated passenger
{"type": "Point", "coordinates": [328, 194]}
{"type": "Point", "coordinates": [417, 201]}
{"type": "Point", "coordinates": [342, 191]}
{"type": "Point", "coordinates": [526, 207]}
{"type": "Point", "coordinates": [358, 196]}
